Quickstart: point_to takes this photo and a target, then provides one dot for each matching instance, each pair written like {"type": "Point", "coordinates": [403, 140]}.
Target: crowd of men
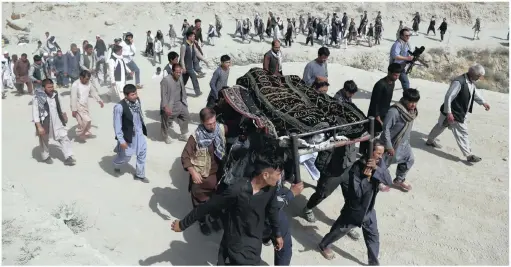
{"type": "Point", "coordinates": [250, 210]}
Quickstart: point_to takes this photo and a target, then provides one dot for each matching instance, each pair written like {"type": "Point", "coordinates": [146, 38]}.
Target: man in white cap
{"type": "Point", "coordinates": [7, 74]}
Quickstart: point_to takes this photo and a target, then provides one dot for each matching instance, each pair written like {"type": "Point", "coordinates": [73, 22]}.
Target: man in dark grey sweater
{"type": "Point", "coordinates": [219, 80]}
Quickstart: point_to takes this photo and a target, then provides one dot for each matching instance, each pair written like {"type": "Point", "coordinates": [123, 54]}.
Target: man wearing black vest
{"type": "Point", "coordinates": [130, 133]}
{"type": "Point", "coordinates": [118, 71]}
{"type": "Point", "coordinates": [173, 58]}
{"type": "Point", "coordinates": [458, 102]}
{"type": "Point", "coordinates": [272, 60]}
{"type": "Point", "coordinates": [50, 121]}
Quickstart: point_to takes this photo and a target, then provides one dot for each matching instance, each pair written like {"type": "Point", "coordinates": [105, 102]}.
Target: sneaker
{"type": "Point", "coordinates": [70, 161]}
{"type": "Point", "coordinates": [204, 228]}
{"type": "Point", "coordinates": [48, 160]}
{"type": "Point", "coordinates": [354, 235]}
{"type": "Point", "coordinates": [473, 158]}
{"type": "Point", "coordinates": [117, 172]}
{"type": "Point", "coordinates": [402, 185]}
{"type": "Point", "coordinates": [141, 179]}
{"type": "Point", "coordinates": [182, 138]}
{"type": "Point", "coordinates": [309, 215]}
{"type": "Point", "coordinates": [433, 144]}
{"type": "Point", "coordinates": [168, 140]}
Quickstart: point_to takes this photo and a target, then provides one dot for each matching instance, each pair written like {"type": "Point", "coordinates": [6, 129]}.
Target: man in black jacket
{"type": "Point", "coordinates": [247, 204]}
{"type": "Point", "coordinates": [443, 29]}
{"type": "Point", "coordinates": [459, 100]}
{"type": "Point", "coordinates": [361, 189]}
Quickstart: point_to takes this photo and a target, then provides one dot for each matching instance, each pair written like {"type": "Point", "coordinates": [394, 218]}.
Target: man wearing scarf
{"type": "Point", "coordinates": [272, 61]}
{"type": "Point", "coordinates": [397, 126]}
{"type": "Point", "coordinates": [118, 71]}
{"type": "Point", "coordinates": [202, 157]}
{"type": "Point", "coordinates": [50, 121]}
{"type": "Point", "coordinates": [130, 133]}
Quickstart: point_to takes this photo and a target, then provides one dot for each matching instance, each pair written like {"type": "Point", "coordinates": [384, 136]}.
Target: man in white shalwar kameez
{"type": "Point", "coordinates": [118, 70]}
{"type": "Point", "coordinates": [80, 92]}
{"type": "Point", "coordinates": [50, 122]}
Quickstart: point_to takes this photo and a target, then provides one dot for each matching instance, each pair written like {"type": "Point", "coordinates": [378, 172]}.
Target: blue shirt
{"type": "Point", "coordinates": [399, 48]}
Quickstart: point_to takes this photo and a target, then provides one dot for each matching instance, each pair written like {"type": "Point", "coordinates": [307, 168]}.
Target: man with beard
{"type": "Point", "coordinates": [272, 61]}
{"type": "Point", "coordinates": [202, 157]}
{"type": "Point", "coordinates": [189, 52]}
{"type": "Point", "coordinates": [118, 71]}
{"type": "Point", "coordinates": [218, 25]}
{"type": "Point", "coordinates": [443, 29]}
{"type": "Point", "coordinates": [81, 89]}
{"type": "Point", "coordinates": [416, 21]}
{"type": "Point", "coordinates": [381, 97]}
{"type": "Point", "coordinates": [174, 104]}
{"type": "Point", "coordinates": [364, 179]}
{"type": "Point", "coordinates": [101, 50]}
{"type": "Point", "coordinates": [128, 53]}
{"type": "Point", "coordinates": [248, 203]}
{"type": "Point", "coordinates": [399, 53]}
{"type": "Point", "coordinates": [431, 26]}
{"type": "Point", "coordinates": [89, 62]}
{"type": "Point", "coordinates": [397, 126]}
{"type": "Point", "coordinates": [458, 102]}
{"type": "Point", "coordinates": [50, 122]}
{"type": "Point", "coordinates": [130, 133]}
{"type": "Point", "coordinates": [73, 63]}
{"type": "Point", "coordinates": [38, 73]}
{"type": "Point", "coordinates": [21, 71]}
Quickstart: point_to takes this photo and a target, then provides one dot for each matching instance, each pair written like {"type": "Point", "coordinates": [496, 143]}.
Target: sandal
{"type": "Point", "coordinates": [327, 253]}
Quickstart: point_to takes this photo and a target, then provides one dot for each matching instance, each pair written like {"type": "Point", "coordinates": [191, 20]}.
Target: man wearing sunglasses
{"type": "Point", "coordinates": [399, 54]}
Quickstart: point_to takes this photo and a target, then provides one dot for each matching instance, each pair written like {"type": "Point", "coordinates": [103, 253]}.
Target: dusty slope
{"type": "Point", "coordinates": [32, 236]}
{"type": "Point", "coordinates": [456, 214]}
{"type": "Point", "coordinates": [69, 20]}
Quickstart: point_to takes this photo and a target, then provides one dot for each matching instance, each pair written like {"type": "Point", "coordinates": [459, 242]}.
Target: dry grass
{"type": "Point", "coordinates": [69, 214]}
{"type": "Point", "coordinates": [444, 66]}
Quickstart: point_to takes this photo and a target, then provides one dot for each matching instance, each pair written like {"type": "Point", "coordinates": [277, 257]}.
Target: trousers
{"type": "Point", "coordinates": [369, 230]}
{"type": "Point", "coordinates": [459, 129]}
{"type": "Point", "coordinates": [133, 67]}
{"type": "Point", "coordinates": [179, 114]}
{"type": "Point", "coordinates": [326, 186]}
{"type": "Point", "coordinates": [138, 147]}
{"type": "Point", "coordinates": [282, 257]}
{"type": "Point", "coordinates": [64, 142]}
{"type": "Point", "coordinates": [195, 82]}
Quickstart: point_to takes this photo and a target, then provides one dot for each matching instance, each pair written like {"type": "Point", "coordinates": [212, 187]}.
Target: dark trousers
{"type": "Point", "coordinates": [442, 33]}
{"type": "Point", "coordinates": [190, 73]}
{"type": "Point", "coordinates": [225, 260]}
{"type": "Point", "coordinates": [283, 256]}
{"type": "Point", "coordinates": [369, 230]}
{"type": "Point", "coordinates": [309, 39]}
{"type": "Point", "coordinates": [149, 49]}
{"type": "Point", "coordinates": [326, 186]}
{"type": "Point", "coordinates": [287, 41]}
{"type": "Point", "coordinates": [211, 102]}
{"type": "Point", "coordinates": [62, 80]}
{"type": "Point", "coordinates": [431, 29]}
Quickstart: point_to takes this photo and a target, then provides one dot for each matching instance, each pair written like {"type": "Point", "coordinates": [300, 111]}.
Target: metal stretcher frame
{"type": "Point", "coordinates": [297, 153]}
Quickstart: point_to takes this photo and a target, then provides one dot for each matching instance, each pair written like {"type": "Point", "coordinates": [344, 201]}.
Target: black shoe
{"type": "Point", "coordinates": [48, 160]}
{"type": "Point", "coordinates": [70, 161]}
{"type": "Point", "coordinates": [143, 180]}
{"type": "Point", "coordinates": [198, 94]}
{"type": "Point", "coordinates": [117, 172]}
{"type": "Point", "coordinates": [473, 159]}
{"type": "Point", "coordinates": [204, 228]}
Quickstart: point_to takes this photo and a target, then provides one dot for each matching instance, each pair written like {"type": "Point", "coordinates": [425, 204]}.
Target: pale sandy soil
{"type": "Point", "coordinates": [455, 215]}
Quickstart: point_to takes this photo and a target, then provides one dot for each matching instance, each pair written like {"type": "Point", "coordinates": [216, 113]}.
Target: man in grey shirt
{"type": "Point", "coordinates": [316, 71]}
{"type": "Point", "coordinates": [219, 80]}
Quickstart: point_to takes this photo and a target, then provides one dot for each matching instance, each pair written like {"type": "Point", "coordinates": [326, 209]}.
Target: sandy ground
{"type": "Point", "coordinates": [456, 214]}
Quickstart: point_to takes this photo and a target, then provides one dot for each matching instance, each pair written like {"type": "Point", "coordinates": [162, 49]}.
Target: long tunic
{"type": "Point", "coordinates": [57, 130]}
{"type": "Point", "coordinates": [80, 96]}
{"type": "Point", "coordinates": [138, 141]}
{"type": "Point", "coordinates": [392, 126]}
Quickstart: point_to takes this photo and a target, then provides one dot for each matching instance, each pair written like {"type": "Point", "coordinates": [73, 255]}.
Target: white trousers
{"type": "Point", "coordinates": [460, 131]}
{"type": "Point", "coordinates": [116, 91]}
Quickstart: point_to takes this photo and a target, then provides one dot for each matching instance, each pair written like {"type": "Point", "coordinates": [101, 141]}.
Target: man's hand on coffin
{"type": "Point", "coordinates": [391, 152]}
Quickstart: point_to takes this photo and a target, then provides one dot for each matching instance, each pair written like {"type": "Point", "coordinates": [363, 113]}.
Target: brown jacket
{"type": "Point", "coordinates": [271, 64]}
{"type": "Point", "coordinates": [21, 71]}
